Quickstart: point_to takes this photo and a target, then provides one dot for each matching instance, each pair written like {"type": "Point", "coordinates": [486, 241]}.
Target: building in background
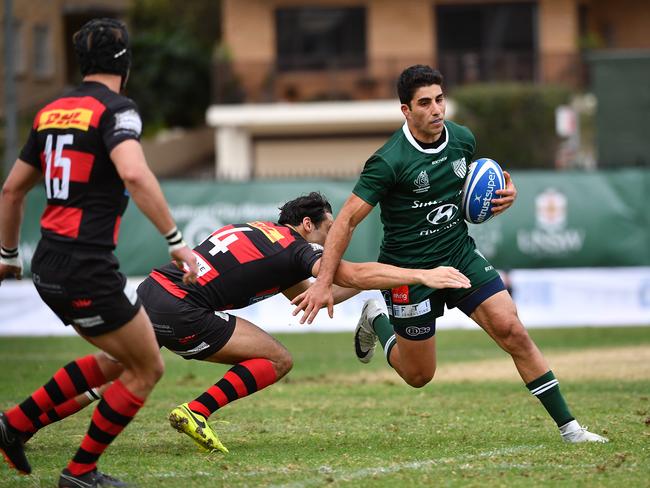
{"type": "Point", "coordinates": [43, 57]}
{"type": "Point", "coordinates": [342, 49]}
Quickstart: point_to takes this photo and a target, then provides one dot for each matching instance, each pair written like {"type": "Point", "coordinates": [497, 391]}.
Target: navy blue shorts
{"type": "Point", "coordinates": [467, 304]}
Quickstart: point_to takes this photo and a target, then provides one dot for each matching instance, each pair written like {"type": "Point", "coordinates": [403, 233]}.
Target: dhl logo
{"type": "Point", "coordinates": [271, 233]}
{"type": "Point", "coordinates": [65, 119]}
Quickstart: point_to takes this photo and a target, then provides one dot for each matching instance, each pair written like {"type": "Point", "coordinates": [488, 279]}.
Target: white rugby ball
{"type": "Point", "coordinates": [484, 178]}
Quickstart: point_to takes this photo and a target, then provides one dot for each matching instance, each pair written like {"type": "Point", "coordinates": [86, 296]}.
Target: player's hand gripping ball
{"type": "Point", "coordinates": [484, 178]}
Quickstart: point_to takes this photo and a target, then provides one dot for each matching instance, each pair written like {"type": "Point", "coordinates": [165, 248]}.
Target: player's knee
{"type": "Point", "coordinates": [283, 363]}
{"type": "Point", "coordinates": [151, 374]}
{"type": "Point", "coordinates": [158, 369]}
{"type": "Point", "coordinates": [515, 338]}
{"type": "Point", "coordinates": [419, 380]}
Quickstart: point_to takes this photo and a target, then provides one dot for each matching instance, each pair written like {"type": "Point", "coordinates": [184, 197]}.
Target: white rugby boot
{"type": "Point", "coordinates": [365, 338]}
{"type": "Point", "coordinates": [573, 432]}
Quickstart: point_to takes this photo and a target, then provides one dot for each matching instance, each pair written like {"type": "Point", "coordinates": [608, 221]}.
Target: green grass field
{"type": "Point", "coordinates": [336, 422]}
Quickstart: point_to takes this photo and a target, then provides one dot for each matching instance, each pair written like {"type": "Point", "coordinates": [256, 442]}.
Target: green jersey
{"type": "Point", "coordinates": [419, 192]}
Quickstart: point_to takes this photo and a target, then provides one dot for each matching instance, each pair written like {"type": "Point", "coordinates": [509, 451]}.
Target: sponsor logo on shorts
{"type": "Point", "coordinates": [415, 331]}
{"type": "Point", "coordinates": [51, 288]}
{"type": "Point", "coordinates": [413, 310]}
{"type": "Point", "coordinates": [163, 329]}
{"type": "Point", "coordinates": [82, 303]}
{"type": "Point", "coordinates": [185, 340]}
{"type": "Point", "coordinates": [201, 347]}
{"type": "Point", "coordinates": [489, 268]}
{"type": "Point", "coordinates": [87, 322]}
{"type": "Point", "coordinates": [400, 294]}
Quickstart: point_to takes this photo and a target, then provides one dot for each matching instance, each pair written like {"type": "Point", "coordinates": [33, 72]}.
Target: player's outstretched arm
{"type": "Point", "coordinates": [319, 295]}
{"type": "Point", "coordinates": [339, 293]}
{"type": "Point", "coordinates": [507, 196]}
{"type": "Point", "coordinates": [21, 179]}
{"type": "Point", "coordinates": [376, 276]}
{"type": "Point", "coordinates": [145, 190]}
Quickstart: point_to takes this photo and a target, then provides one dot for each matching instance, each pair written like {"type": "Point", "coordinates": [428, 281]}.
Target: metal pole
{"type": "Point", "coordinates": [10, 88]}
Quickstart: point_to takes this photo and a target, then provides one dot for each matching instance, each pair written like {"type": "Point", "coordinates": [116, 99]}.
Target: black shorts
{"type": "Point", "coordinates": [185, 329]}
{"type": "Point", "coordinates": [83, 287]}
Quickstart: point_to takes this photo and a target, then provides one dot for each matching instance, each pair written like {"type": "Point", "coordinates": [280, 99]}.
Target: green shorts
{"type": "Point", "coordinates": [417, 305]}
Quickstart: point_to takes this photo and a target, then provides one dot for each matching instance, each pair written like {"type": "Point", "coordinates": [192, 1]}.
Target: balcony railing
{"type": "Point", "coordinates": [256, 82]}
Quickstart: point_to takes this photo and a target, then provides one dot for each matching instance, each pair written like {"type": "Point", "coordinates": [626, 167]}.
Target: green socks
{"type": "Point", "coordinates": [547, 389]}
{"type": "Point", "coordinates": [385, 333]}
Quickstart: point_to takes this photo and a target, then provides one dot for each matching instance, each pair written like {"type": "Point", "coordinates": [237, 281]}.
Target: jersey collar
{"type": "Point", "coordinates": [411, 139]}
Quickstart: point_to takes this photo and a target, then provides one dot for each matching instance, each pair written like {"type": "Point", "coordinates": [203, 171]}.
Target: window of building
{"type": "Point", "coordinates": [43, 65]}
{"type": "Point", "coordinates": [487, 42]}
{"type": "Point", "coordinates": [317, 38]}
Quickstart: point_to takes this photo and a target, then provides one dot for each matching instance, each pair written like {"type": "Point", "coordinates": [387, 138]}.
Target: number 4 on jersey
{"type": "Point", "coordinates": [229, 236]}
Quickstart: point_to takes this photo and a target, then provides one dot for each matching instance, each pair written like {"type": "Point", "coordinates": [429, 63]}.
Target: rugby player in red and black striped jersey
{"type": "Point", "coordinates": [239, 265]}
{"type": "Point", "coordinates": [85, 146]}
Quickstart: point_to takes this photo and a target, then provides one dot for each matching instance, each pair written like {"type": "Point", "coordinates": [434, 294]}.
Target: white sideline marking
{"type": "Point", "coordinates": [347, 475]}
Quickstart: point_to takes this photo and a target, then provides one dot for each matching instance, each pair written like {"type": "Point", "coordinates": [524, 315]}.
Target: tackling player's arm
{"type": "Point", "coordinates": [21, 179]}
{"type": "Point", "coordinates": [145, 190]}
{"type": "Point", "coordinates": [340, 293]}
{"type": "Point", "coordinates": [377, 276]}
{"type": "Point", "coordinates": [320, 294]}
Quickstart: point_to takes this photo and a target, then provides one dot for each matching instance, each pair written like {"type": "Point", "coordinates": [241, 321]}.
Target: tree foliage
{"type": "Point", "coordinates": [514, 123]}
{"type": "Point", "coordinates": [172, 49]}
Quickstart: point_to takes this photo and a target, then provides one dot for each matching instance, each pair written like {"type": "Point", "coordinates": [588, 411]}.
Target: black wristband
{"type": "Point", "coordinates": [174, 237]}
{"type": "Point", "coordinates": [8, 253]}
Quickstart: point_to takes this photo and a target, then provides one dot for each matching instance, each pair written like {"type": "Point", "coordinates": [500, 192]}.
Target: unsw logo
{"type": "Point", "coordinates": [550, 236]}
{"type": "Point", "coordinates": [421, 183]}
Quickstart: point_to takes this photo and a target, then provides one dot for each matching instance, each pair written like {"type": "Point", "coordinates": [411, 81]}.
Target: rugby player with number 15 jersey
{"type": "Point", "coordinates": [85, 147]}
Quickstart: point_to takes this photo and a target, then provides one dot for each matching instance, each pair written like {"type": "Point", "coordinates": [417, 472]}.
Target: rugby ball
{"type": "Point", "coordinates": [484, 178]}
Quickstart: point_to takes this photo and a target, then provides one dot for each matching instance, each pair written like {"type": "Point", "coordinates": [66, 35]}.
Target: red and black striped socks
{"type": "Point", "coordinates": [241, 380]}
{"type": "Point", "coordinates": [67, 408]}
{"type": "Point", "coordinates": [114, 412]}
{"type": "Point", "coordinates": [71, 380]}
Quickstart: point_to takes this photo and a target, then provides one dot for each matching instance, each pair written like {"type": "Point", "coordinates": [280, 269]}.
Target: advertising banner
{"type": "Point", "coordinates": [560, 219]}
{"type": "Point", "coordinates": [571, 219]}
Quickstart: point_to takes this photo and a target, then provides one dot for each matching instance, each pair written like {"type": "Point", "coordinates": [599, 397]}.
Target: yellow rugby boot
{"type": "Point", "coordinates": [196, 427]}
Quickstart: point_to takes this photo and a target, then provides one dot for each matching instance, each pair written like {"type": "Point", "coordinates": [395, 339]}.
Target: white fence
{"type": "Point", "coordinates": [545, 298]}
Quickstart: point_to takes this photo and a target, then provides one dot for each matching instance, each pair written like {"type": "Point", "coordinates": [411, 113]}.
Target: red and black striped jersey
{"type": "Point", "coordinates": [70, 142]}
{"type": "Point", "coordinates": [241, 264]}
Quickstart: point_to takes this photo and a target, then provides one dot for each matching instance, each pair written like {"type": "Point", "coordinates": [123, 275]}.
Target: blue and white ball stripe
{"type": "Point", "coordinates": [484, 178]}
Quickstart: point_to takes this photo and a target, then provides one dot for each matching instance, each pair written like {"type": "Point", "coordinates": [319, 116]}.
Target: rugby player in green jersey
{"type": "Point", "coordinates": [417, 178]}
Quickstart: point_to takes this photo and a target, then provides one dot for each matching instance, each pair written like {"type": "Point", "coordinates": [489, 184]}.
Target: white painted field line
{"type": "Point", "coordinates": [347, 475]}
